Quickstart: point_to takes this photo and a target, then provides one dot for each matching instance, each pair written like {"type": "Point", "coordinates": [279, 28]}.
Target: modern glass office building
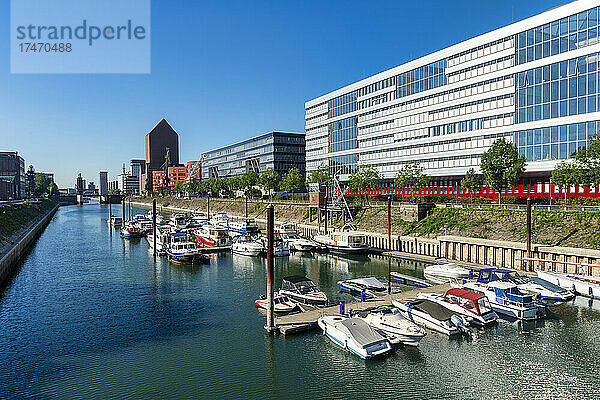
{"type": "Point", "coordinates": [534, 82]}
{"type": "Point", "coordinates": [278, 150]}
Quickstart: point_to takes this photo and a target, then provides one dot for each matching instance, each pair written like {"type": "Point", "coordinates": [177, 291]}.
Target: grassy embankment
{"type": "Point", "coordinates": [15, 217]}
{"type": "Point", "coordinates": [555, 228]}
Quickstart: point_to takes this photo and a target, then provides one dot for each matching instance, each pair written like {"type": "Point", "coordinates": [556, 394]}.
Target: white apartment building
{"type": "Point", "coordinates": [534, 82]}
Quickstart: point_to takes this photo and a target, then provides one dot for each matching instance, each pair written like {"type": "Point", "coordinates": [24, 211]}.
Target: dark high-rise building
{"type": "Point", "coordinates": [12, 173]}
{"type": "Point", "coordinates": [158, 140]}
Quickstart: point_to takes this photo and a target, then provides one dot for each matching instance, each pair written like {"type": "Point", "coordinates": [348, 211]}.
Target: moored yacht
{"type": "Point", "coordinates": [506, 298]}
{"type": "Point", "coordinates": [181, 250]}
{"type": "Point", "coordinates": [580, 284]}
{"type": "Point", "coordinates": [344, 242]}
{"type": "Point", "coordinates": [392, 325]}
{"type": "Point", "coordinates": [302, 290]}
{"type": "Point", "coordinates": [246, 246]}
{"type": "Point", "coordinates": [431, 315]}
{"type": "Point", "coordinates": [355, 335]}
{"type": "Point", "coordinates": [243, 226]}
{"type": "Point", "coordinates": [128, 230]}
{"type": "Point", "coordinates": [281, 304]}
{"type": "Point", "coordinates": [295, 242]}
{"type": "Point", "coordinates": [370, 287]}
{"type": "Point", "coordinates": [548, 292]}
{"type": "Point", "coordinates": [442, 273]}
{"type": "Point", "coordinates": [212, 236]}
{"type": "Point", "coordinates": [475, 307]}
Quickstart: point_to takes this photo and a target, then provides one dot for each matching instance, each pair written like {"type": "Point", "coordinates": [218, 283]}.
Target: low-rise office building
{"type": "Point", "coordinates": [534, 82]}
{"type": "Point", "coordinates": [278, 150]}
{"type": "Point", "coordinates": [12, 173]}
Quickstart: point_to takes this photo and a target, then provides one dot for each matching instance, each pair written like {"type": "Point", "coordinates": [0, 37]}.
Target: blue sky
{"type": "Point", "coordinates": [223, 71]}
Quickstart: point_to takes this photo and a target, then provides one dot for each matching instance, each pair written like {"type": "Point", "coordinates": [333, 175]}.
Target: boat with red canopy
{"type": "Point", "coordinates": [475, 307]}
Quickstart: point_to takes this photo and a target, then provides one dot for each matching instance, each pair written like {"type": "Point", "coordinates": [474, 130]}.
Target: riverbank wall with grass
{"type": "Point", "coordinates": [562, 240]}
{"type": "Point", "coordinates": [20, 226]}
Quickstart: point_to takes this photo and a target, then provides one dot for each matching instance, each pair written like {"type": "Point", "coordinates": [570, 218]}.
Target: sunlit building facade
{"type": "Point", "coordinates": [534, 82]}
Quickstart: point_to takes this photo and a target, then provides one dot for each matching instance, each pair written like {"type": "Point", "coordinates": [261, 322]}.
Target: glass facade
{"type": "Point", "coordinates": [343, 164]}
{"type": "Point", "coordinates": [342, 104]}
{"type": "Point", "coordinates": [558, 90]}
{"type": "Point", "coordinates": [556, 142]}
{"type": "Point", "coordinates": [569, 33]}
{"type": "Point", "coordinates": [343, 134]}
{"type": "Point", "coordinates": [420, 79]}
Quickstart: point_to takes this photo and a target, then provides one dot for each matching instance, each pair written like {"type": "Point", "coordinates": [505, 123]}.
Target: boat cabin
{"type": "Point", "coordinates": [487, 275]}
{"type": "Point", "coordinates": [510, 292]}
{"type": "Point", "coordinates": [348, 239]}
{"type": "Point", "coordinates": [471, 301]}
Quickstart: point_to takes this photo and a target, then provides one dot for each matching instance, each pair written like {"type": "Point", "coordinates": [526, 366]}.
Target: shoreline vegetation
{"type": "Point", "coordinates": [579, 229]}
{"type": "Point", "coordinates": [16, 218]}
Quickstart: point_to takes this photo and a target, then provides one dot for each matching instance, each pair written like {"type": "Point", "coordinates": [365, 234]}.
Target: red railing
{"type": "Point", "coordinates": [539, 190]}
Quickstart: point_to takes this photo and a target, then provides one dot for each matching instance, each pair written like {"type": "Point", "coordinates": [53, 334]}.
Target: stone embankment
{"type": "Point", "coordinates": [20, 226]}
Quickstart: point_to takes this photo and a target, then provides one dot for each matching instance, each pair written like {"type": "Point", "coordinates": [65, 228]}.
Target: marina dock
{"type": "Point", "coordinates": [305, 321]}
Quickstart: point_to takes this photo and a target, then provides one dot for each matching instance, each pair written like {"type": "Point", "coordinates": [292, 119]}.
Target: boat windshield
{"type": "Point", "coordinates": [484, 305]}
{"type": "Point", "coordinates": [355, 240]}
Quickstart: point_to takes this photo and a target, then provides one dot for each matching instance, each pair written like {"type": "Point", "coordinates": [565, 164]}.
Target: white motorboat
{"type": "Point", "coordinates": [280, 249]}
{"type": "Point", "coordinates": [548, 292]}
{"type": "Point", "coordinates": [580, 284]}
{"type": "Point", "coordinates": [178, 221]}
{"type": "Point", "coordinates": [115, 221]}
{"type": "Point", "coordinates": [209, 235]}
{"type": "Point", "coordinates": [370, 286]}
{"type": "Point", "coordinates": [475, 307]}
{"type": "Point", "coordinates": [442, 273]}
{"type": "Point", "coordinates": [281, 304]}
{"type": "Point", "coordinates": [220, 220]}
{"type": "Point", "coordinates": [355, 335]}
{"type": "Point", "coordinates": [433, 316]}
{"type": "Point", "coordinates": [161, 239]}
{"type": "Point", "coordinates": [243, 226]}
{"type": "Point", "coordinates": [506, 299]}
{"type": "Point", "coordinates": [295, 242]}
{"type": "Point", "coordinates": [302, 290]}
{"type": "Point", "coordinates": [181, 250]}
{"type": "Point", "coordinates": [246, 246]}
{"type": "Point", "coordinates": [390, 323]}
{"type": "Point", "coordinates": [343, 242]}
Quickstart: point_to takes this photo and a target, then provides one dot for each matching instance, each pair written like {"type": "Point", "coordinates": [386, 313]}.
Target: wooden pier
{"type": "Point", "coordinates": [305, 321]}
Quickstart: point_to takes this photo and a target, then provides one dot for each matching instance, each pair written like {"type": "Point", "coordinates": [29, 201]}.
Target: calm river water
{"type": "Point", "coordinates": [92, 316]}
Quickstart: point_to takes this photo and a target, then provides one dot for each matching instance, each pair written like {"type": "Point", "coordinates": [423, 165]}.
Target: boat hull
{"type": "Point", "coordinates": [584, 286]}
{"type": "Point", "coordinates": [424, 319]}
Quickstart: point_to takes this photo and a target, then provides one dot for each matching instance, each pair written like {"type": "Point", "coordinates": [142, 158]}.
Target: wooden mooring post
{"type": "Point", "coordinates": [389, 221]}
{"type": "Point", "coordinates": [154, 226]}
{"type": "Point", "coordinates": [270, 327]}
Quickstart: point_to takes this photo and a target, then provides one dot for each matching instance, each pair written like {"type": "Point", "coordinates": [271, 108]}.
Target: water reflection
{"type": "Point", "coordinates": [93, 316]}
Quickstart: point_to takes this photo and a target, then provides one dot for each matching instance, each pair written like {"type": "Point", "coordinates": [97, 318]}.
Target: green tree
{"type": "Point", "coordinates": [269, 180]}
{"type": "Point", "coordinates": [471, 181]}
{"type": "Point", "coordinates": [30, 181]}
{"type": "Point", "coordinates": [180, 187]}
{"type": "Point", "coordinates": [411, 175]}
{"type": "Point", "coordinates": [52, 189]}
{"type": "Point", "coordinates": [364, 177]}
{"type": "Point", "coordinates": [248, 181]}
{"type": "Point", "coordinates": [502, 165]}
{"type": "Point", "coordinates": [41, 183]}
{"type": "Point", "coordinates": [567, 174]}
{"type": "Point", "coordinates": [320, 175]}
{"type": "Point", "coordinates": [291, 180]}
{"type": "Point", "coordinates": [235, 183]}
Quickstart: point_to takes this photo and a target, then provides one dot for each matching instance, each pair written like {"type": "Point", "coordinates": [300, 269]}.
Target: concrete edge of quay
{"type": "Point", "coordinates": [11, 258]}
{"type": "Point", "coordinates": [468, 252]}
